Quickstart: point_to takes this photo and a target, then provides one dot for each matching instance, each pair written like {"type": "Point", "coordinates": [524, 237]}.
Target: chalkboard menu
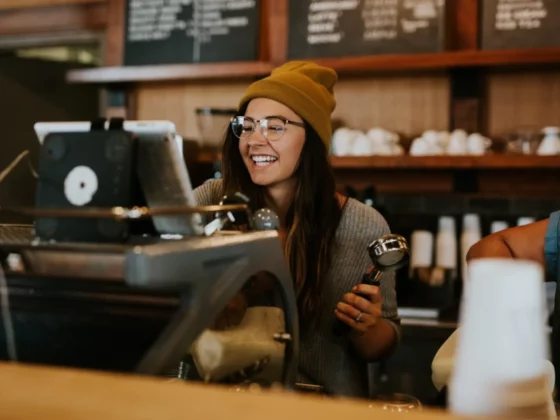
{"type": "Point", "coordinates": [338, 28]}
{"type": "Point", "coordinates": [508, 24]}
{"type": "Point", "coordinates": [191, 31]}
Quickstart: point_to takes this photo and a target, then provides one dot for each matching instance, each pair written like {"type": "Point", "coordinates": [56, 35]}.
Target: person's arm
{"type": "Point", "coordinates": [382, 339]}
{"type": "Point", "coordinates": [378, 343]}
{"type": "Point", "coordinates": [522, 242]}
{"type": "Point", "coordinates": [376, 334]}
{"type": "Point", "coordinates": [538, 242]}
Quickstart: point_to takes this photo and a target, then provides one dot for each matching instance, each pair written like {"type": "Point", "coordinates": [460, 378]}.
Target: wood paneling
{"type": "Point", "coordinates": [20, 4]}
{"type": "Point", "coordinates": [178, 102]}
{"type": "Point", "coordinates": [79, 17]}
{"type": "Point", "coordinates": [406, 104]}
{"type": "Point", "coordinates": [522, 99]}
{"type": "Point", "coordinates": [409, 105]}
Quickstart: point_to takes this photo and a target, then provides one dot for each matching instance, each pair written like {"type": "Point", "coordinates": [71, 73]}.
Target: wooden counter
{"type": "Point", "coordinates": [60, 394]}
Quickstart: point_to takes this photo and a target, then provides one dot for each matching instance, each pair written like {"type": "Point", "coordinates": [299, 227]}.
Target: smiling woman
{"type": "Point", "coordinates": [276, 153]}
{"type": "Point", "coordinates": [268, 159]}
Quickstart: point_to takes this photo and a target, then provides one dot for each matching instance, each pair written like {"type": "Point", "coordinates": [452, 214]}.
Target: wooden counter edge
{"type": "Point", "coordinates": [47, 393]}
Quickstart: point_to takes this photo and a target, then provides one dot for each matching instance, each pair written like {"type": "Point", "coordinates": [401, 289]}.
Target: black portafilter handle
{"type": "Point", "coordinates": [388, 253]}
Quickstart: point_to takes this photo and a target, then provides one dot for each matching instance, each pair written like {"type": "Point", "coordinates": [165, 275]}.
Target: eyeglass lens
{"type": "Point", "coordinates": [271, 128]}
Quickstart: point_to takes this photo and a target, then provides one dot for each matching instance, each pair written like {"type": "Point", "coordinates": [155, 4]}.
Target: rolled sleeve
{"type": "Point", "coordinates": [552, 246]}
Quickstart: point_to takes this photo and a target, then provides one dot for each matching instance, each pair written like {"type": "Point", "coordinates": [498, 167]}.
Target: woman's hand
{"type": "Point", "coordinates": [360, 309]}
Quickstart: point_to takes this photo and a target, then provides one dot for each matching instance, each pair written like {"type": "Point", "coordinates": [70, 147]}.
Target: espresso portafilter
{"type": "Point", "coordinates": [388, 253]}
{"type": "Point", "coordinates": [238, 219]}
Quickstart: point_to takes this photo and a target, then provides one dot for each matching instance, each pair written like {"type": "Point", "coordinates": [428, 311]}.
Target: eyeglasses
{"type": "Point", "coordinates": [271, 128]}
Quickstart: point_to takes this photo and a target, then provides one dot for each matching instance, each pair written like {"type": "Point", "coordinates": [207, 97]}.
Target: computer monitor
{"type": "Point", "coordinates": [162, 128]}
{"type": "Point", "coordinates": [161, 169]}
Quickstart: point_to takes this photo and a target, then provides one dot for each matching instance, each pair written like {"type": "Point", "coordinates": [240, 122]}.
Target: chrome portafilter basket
{"type": "Point", "coordinates": [389, 253]}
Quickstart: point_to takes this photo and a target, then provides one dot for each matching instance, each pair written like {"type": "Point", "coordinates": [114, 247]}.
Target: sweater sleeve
{"type": "Point", "coordinates": [208, 193]}
{"type": "Point", "coordinates": [362, 224]}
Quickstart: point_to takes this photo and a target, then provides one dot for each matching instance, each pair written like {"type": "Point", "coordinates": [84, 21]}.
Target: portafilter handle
{"type": "Point", "coordinates": [388, 253]}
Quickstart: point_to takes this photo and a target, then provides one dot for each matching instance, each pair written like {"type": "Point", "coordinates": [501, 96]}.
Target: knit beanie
{"type": "Point", "coordinates": [306, 88]}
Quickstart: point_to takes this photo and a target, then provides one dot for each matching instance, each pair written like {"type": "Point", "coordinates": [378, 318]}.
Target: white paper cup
{"type": "Point", "coordinates": [502, 342]}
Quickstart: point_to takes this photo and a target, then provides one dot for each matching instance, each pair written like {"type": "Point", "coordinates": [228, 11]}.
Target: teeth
{"type": "Point", "coordinates": [263, 159]}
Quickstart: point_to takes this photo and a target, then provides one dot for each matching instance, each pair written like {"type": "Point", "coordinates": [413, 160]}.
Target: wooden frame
{"type": "Point", "coordinates": [462, 25]}
{"type": "Point", "coordinates": [21, 4]}
{"type": "Point", "coordinates": [114, 41]}
{"type": "Point", "coordinates": [348, 65]}
{"type": "Point", "coordinates": [87, 16]}
{"type": "Point", "coordinates": [462, 43]}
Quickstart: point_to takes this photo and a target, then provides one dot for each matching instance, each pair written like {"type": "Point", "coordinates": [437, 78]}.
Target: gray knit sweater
{"type": "Point", "coordinates": [325, 359]}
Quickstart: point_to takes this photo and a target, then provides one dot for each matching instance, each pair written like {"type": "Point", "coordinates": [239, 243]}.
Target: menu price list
{"type": "Point", "coordinates": [337, 28]}
{"type": "Point", "coordinates": [517, 24]}
{"type": "Point", "coordinates": [191, 31]}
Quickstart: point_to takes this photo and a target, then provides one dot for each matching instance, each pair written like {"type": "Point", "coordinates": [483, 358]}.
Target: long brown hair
{"type": "Point", "coordinates": [312, 219]}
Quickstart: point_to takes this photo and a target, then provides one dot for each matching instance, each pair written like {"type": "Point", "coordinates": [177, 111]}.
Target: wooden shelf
{"type": "Point", "coordinates": [169, 72]}
{"type": "Point", "coordinates": [497, 161]}
{"type": "Point", "coordinates": [447, 162]}
{"type": "Point", "coordinates": [374, 63]}
{"type": "Point", "coordinates": [443, 60]}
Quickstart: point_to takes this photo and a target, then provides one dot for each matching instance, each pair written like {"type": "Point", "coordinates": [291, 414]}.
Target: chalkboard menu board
{"type": "Point", "coordinates": [338, 28]}
{"type": "Point", "coordinates": [508, 24]}
{"type": "Point", "coordinates": [191, 31]}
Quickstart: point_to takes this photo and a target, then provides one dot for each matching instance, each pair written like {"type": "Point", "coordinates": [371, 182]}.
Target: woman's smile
{"type": "Point", "coordinates": [263, 161]}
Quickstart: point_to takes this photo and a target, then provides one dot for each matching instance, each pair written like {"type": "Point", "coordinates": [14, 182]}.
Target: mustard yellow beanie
{"type": "Point", "coordinates": [306, 88]}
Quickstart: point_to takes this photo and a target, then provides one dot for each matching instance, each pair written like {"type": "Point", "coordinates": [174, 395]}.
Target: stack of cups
{"type": "Point", "coordinates": [500, 364]}
{"type": "Point", "coordinates": [471, 234]}
{"type": "Point", "coordinates": [421, 250]}
{"type": "Point", "coordinates": [446, 244]}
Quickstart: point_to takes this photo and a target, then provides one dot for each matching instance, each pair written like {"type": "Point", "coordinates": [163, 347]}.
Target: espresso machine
{"type": "Point", "coordinates": [118, 272]}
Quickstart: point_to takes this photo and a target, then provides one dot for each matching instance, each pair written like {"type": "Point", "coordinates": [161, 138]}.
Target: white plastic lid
{"type": "Point", "coordinates": [446, 224]}
{"type": "Point", "coordinates": [471, 222]}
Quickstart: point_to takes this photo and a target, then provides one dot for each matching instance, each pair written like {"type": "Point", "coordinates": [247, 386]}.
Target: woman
{"type": "Point", "coordinates": [276, 153]}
